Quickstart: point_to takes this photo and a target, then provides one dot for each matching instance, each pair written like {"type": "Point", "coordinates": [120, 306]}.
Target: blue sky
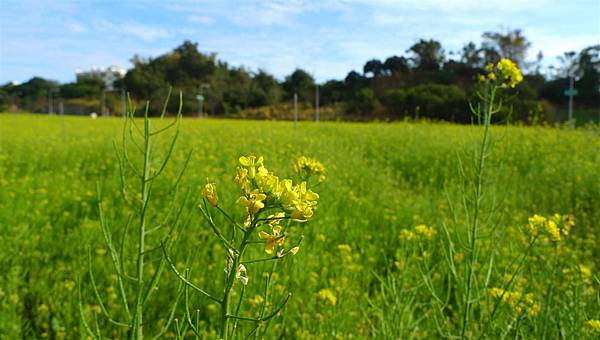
{"type": "Point", "coordinates": [327, 38]}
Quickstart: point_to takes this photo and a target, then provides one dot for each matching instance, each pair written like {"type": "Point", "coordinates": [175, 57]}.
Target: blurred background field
{"type": "Point", "coordinates": [382, 178]}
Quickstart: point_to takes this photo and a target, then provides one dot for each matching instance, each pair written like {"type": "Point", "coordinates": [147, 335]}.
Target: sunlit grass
{"type": "Point", "coordinates": [355, 274]}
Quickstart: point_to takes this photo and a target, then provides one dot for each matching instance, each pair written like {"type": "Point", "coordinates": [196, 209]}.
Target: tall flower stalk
{"type": "Point", "coordinates": [272, 207]}
{"type": "Point", "coordinates": [501, 75]}
{"type": "Point", "coordinates": [137, 160]}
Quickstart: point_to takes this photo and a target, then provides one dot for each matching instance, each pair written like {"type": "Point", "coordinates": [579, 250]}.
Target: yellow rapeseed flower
{"type": "Point", "coordinates": [344, 248]}
{"type": "Point", "coordinates": [326, 295]}
{"type": "Point", "coordinates": [241, 179]}
{"type": "Point", "coordinates": [271, 239]}
{"type": "Point", "coordinates": [309, 167]}
{"type": "Point", "coordinates": [423, 230]}
{"type": "Point", "coordinates": [253, 202]}
{"type": "Point", "coordinates": [594, 325]}
{"type": "Point", "coordinates": [256, 300]}
{"type": "Point", "coordinates": [210, 193]}
{"type": "Point", "coordinates": [407, 234]}
{"type": "Point", "coordinates": [509, 72]}
{"type": "Point", "coordinates": [251, 163]}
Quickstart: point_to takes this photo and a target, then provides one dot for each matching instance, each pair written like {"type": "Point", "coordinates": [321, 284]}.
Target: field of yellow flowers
{"type": "Point", "coordinates": [381, 258]}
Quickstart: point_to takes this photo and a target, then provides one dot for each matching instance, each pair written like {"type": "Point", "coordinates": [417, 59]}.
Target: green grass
{"type": "Point", "coordinates": [382, 178]}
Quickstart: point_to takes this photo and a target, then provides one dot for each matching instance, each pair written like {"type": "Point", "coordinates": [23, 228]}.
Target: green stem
{"type": "Point", "coordinates": [476, 211]}
{"type": "Point", "coordinates": [229, 285]}
{"type": "Point", "coordinates": [145, 188]}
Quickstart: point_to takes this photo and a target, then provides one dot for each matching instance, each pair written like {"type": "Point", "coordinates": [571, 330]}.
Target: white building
{"type": "Point", "coordinates": [108, 75]}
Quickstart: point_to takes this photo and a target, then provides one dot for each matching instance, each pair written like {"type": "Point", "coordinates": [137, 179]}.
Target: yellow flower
{"type": "Point", "coordinates": [586, 273]}
{"type": "Point", "coordinates": [271, 240]}
{"type": "Point", "coordinates": [553, 230]}
{"type": "Point", "coordinates": [492, 76]}
{"type": "Point", "coordinates": [407, 234]}
{"type": "Point", "coordinates": [254, 201]}
{"type": "Point", "coordinates": [535, 223]}
{"type": "Point", "coordinates": [425, 231]}
{"type": "Point", "coordinates": [509, 72]}
{"type": "Point", "coordinates": [344, 248]}
{"type": "Point", "coordinates": [274, 219]}
{"type": "Point", "coordinates": [326, 295]}
{"type": "Point", "coordinates": [481, 78]}
{"type": "Point", "coordinates": [594, 325]}
{"type": "Point", "coordinates": [251, 163]}
{"type": "Point", "coordinates": [210, 193]}
{"type": "Point", "coordinates": [309, 167]}
{"type": "Point", "coordinates": [256, 300]}
{"type": "Point", "coordinates": [518, 302]}
{"type": "Point", "coordinates": [241, 179]}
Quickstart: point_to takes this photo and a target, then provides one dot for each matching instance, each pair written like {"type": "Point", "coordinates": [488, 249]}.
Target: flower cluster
{"type": "Point", "coordinates": [593, 325]}
{"type": "Point", "coordinates": [307, 167]}
{"type": "Point", "coordinates": [505, 71]}
{"type": "Point", "coordinates": [520, 303]}
{"type": "Point", "coordinates": [554, 226]}
{"type": "Point", "coordinates": [263, 191]}
{"type": "Point", "coordinates": [421, 232]}
{"type": "Point", "coordinates": [326, 295]}
{"type": "Point", "coordinates": [210, 193]}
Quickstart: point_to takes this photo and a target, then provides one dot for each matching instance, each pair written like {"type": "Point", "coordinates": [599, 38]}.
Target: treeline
{"type": "Point", "coordinates": [424, 82]}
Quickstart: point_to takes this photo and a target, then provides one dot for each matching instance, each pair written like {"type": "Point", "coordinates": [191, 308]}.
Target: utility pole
{"type": "Point", "coordinates": [103, 103]}
{"type": "Point", "coordinates": [571, 92]}
{"type": "Point", "coordinates": [317, 103]}
{"type": "Point", "coordinates": [295, 109]}
{"type": "Point", "coordinates": [123, 102]}
{"type": "Point", "coordinates": [61, 111]}
{"type": "Point", "coordinates": [50, 104]}
{"type": "Point", "coordinates": [200, 98]}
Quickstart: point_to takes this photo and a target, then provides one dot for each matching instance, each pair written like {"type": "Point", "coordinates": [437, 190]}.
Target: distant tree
{"type": "Point", "coordinates": [374, 67]}
{"type": "Point", "coordinates": [31, 95]}
{"type": "Point", "coordinates": [427, 54]}
{"type": "Point", "coordinates": [509, 44]}
{"type": "Point", "coordinates": [265, 90]}
{"type": "Point", "coordinates": [82, 88]}
{"type": "Point", "coordinates": [333, 91]}
{"type": "Point", "coordinates": [490, 55]}
{"type": "Point", "coordinates": [363, 101]}
{"type": "Point", "coordinates": [471, 55]}
{"type": "Point", "coordinates": [300, 82]}
{"type": "Point", "coordinates": [395, 65]}
{"type": "Point", "coordinates": [354, 81]}
{"type": "Point", "coordinates": [447, 102]}
{"type": "Point", "coordinates": [588, 82]}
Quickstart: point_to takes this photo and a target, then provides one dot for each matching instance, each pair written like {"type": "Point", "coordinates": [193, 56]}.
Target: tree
{"type": "Point", "coordinates": [265, 90]}
{"type": "Point", "coordinates": [509, 44]}
{"type": "Point", "coordinates": [471, 55]}
{"type": "Point", "coordinates": [354, 81]}
{"type": "Point", "coordinates": [374, 67]}
{"type": "Point", "coordinates": [299, 82]}
{"type": "Point", "coordinates": [333, 91]}
{"type": "Point", "coordinates": [83, 88]}
{"type": "Point", "coordinates": [428, 54]}
{"type": "Point", "coordinates": [395, 65]}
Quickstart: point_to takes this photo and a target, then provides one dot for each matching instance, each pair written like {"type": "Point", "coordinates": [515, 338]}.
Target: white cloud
{"type": "Point", "coordinates": [147, 33]}
{"type": "Point", "coordinates": [201, 19]}
{"type": "Point", "coordinates": [75, 27]}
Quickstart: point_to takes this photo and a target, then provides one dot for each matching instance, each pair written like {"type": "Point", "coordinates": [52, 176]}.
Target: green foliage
{"type": "Point", "coordinates": [82, 88]}
{"type": "Point", "coordinates": [428, 101]}
{"type": "Point", "coordinates": [299, 82]}
{"type": "Point", "coordinates": [233, 90]}
{"type": "Point", "coordinates": [382, 178]}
